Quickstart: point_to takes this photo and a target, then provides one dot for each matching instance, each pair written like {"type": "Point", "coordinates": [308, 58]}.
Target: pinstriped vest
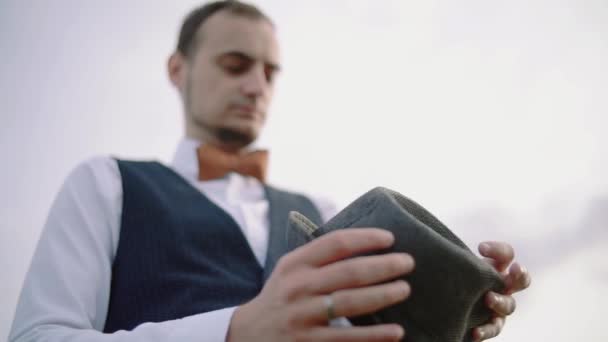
{"type": "Point", "coordinates": [179, 254]}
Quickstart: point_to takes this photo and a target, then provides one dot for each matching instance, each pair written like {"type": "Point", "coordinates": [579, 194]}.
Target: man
{"type": "Point", "coordinates": [139, 251]}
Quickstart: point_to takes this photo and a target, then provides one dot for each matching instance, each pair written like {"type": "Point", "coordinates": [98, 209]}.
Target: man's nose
{"type": "Point", "coordinates": [254, 83]}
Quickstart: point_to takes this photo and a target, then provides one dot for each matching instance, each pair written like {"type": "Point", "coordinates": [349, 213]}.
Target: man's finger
{"type": "Point", "coordinates": [353, 302]}
{"type": "Point", "coordinates": [502, 305]}
{"type": "Point", "coordinates": [374, 333]}
{"type": "Point", "coordinates": [365, 300]}
{"type": "Point", "coordinates": [489, 330]}
{"type": "Point", "coordinates": [502, 253]}
{"type": "Point", "coordinates": [338, 245]}
{"type": "Point", "coordinates": [517, 279]}
{"type": "Point", "coordinates": [361, 271]}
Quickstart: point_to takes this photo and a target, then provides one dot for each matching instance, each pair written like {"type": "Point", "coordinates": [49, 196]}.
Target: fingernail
{"type": "Point", "coordinates": [404, 288]}
{"type": "Point", "coordinates": [481, 334]}
{"type": "Point", "coordinates": [399, 332]}
{"type": "Point", "coordinates": [522, 269]}
{"type": "Point", "coordinates": [484, 248]}
{"type": "Point", "coordinates": [388, 236]}
{"type": "Point", "coordinates": [496, 300]}
{"type": "Point", "coordinates": [407, 259]}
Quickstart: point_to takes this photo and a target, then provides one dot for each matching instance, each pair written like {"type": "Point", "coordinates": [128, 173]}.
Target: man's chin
{"type": "Point", "coordinates": [237, 137]}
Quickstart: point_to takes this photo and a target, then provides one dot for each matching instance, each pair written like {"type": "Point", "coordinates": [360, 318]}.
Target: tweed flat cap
{"type": "Point", "coordinates": [449, 281]}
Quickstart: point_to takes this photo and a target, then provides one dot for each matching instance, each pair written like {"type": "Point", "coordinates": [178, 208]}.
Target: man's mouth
{"type": "Point", "coordinates": [246, 111]}
{"type": "Point", "coordinates": [245, 108]}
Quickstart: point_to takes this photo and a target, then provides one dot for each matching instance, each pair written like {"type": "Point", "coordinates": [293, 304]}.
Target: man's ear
{"type": "Point", "coordinates": [176, 68]}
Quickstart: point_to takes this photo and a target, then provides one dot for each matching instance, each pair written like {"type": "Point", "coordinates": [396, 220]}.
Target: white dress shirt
{"type": "Point", "coordinates": [67, 288]}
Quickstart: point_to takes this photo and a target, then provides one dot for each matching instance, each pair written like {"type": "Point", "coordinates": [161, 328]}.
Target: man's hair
{"type": "Point", "coordinates": [187, 42]}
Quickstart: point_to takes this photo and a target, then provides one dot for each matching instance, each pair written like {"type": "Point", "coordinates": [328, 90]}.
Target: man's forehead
{"type": "Point", "coordinates": [225, 32]}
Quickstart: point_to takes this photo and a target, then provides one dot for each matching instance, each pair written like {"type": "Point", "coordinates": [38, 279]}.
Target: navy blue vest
{"type": "Point", "coordinates": [179, 254]}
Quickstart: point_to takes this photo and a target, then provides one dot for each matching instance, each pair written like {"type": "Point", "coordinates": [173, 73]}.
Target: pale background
{"type": "Point", "coordinates": [492, 114]}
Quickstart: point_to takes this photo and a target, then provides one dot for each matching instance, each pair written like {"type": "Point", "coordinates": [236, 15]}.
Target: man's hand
{"type": "Point", "coordinates": [293, 305]}
{"type": "Point", "coordinates": [500, 255]}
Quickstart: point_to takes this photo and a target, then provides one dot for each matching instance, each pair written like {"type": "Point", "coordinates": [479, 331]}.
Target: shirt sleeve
{"type": "Point", "coordinates": [67, 287]}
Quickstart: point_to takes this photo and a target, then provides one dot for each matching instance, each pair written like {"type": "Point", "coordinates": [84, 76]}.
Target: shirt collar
{"type": "Point", "coordinates": [185, 160]}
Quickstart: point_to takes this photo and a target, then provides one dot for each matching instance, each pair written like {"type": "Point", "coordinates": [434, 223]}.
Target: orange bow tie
{"type": "Point", "coordinates": [215, 163]}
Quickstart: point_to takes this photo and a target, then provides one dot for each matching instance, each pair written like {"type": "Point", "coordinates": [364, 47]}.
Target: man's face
{"type": "Point", "coordinates": [230, 78]}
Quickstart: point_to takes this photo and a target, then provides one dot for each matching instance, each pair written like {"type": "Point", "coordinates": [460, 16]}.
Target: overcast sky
{"type": "Point", "coordinates": [492, 114]}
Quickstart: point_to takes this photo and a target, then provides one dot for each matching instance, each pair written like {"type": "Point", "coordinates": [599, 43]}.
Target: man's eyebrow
{"type": "Point", "coordinates": [239, 54]}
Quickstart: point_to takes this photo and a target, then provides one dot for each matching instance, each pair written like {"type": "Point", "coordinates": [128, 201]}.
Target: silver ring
{"type": "Point", "coordinates": [329, 306]}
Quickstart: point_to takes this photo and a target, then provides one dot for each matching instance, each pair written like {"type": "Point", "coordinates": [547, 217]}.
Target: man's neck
{"type": "Point", "coordinates": [228, 146]}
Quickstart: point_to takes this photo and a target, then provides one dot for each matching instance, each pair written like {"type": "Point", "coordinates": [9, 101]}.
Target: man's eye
{"type": "Point", "coordinates": [270, 75]}
{"type": "Point", "coordinates": [270, 72]}
{"type": "Point", "coordinates": [235, 69]}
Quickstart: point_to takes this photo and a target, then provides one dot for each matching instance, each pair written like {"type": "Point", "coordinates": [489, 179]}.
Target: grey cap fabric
{"type": "Point", "coordinates": [449, 281]}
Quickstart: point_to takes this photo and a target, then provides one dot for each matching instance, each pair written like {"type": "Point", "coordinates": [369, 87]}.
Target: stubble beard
{"type": "Point", "coordinates": [228, 137]}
